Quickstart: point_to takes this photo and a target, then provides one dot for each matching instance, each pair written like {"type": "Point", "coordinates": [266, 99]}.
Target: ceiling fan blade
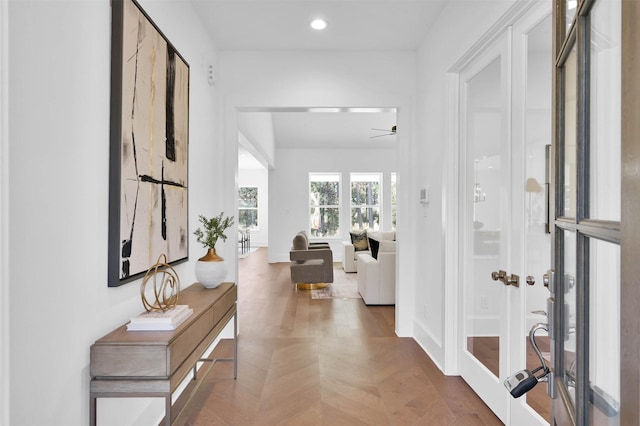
{"type": "Point", "coordinates": [377, 136]}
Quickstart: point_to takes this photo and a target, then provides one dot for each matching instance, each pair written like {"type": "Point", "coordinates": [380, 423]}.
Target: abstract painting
{"type": "Point", "coordinates": [148, 199]}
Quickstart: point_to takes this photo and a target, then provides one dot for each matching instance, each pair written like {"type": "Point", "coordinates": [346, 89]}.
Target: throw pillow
{"type": "Point", "coordinates": [387, 247]}
{"type": "Point", "coordinates": [359, 240]}
{"type": "Point", "coordinates": [375, 245]}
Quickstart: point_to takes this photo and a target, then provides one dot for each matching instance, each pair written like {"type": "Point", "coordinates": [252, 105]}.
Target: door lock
{"type": "Point", "coordinates": [501, 275]}
{"type": "Point", "coordinates": [531, 280]}
{"type": "Point", "coordinates": [524, 380]}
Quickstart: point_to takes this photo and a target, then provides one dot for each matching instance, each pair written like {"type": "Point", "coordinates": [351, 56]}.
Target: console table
{"type": "Point", "coordinates": [153, 363]}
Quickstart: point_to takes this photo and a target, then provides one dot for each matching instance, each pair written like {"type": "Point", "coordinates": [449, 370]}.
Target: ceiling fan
{"type": "Point", "coordinates": [390, 132]}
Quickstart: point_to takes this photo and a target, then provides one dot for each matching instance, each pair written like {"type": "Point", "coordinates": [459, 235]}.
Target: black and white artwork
{"type": "Point", "coordinates": [149, 147]}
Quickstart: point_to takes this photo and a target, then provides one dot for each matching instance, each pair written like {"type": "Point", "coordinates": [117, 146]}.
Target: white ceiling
{"type": "Point", "coordinates": [284, 24]}
{"type": "Point", "coordinates": [340, 129]}
{"type": "Point", "coordinates": [363, 25]}
{"type": "Point", "coordinates": [333, 130]}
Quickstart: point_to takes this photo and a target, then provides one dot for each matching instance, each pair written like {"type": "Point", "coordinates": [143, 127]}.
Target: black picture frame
{"type": "Point", "coordinates": [149, 147]}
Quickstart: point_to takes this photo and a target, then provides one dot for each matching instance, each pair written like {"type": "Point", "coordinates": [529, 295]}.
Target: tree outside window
{"type": "Point", "coordinates": [248, 207]}
{"type": "Point", "coordinates": [365, 201]}
{"type": "Point", "coordinates": [324, 200]}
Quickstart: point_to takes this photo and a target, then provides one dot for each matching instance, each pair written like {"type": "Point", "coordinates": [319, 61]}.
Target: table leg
{"type": "Point", "coordinates": [167, 410]}
{"type": "Point", "coordinates": [92, 411]}
{"type": "Point", "coordinates": [235, 345]}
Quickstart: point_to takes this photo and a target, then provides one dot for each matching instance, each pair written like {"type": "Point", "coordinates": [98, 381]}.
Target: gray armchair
{"type": "Point", "coordinates": [310, 264]}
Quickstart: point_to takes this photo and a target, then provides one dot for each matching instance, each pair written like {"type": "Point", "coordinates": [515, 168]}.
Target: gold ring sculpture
{"type": "Point", "coordinates": [166, 286]}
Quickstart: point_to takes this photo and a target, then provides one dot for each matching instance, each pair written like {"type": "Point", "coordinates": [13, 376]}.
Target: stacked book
{"type": "Point", "coordinates": [160, 321]}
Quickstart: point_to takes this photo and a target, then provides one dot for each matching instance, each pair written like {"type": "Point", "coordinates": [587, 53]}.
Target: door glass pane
{"type": "Point", "coordinates": [572, 7]}
{"type": "Point", "coordinates": [538, 241]}
{"type": "Point", "coordinates": [570, 117]}
{"type": "Point", "coordinates": [604, 332]}
{"type": "Point", "coordinates": [568, 286]}
{"type": "Point", "coordinates": [605, 110]}
{"type": "Point", "coordinates": [484, 135]}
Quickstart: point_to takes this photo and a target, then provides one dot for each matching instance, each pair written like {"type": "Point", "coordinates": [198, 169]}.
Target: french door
{"type": "Point", "coordinates": [505, 133]}
{"type": "Point", "coordinates": [485, 98]}
{"type": "Point", "coordinates": [594, 290]}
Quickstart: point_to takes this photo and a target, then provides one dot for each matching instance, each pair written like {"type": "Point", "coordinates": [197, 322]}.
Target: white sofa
{"type": "Point", "coordinates": [377, 275]}
{"type": "Point", "coordinates": [350, 255]}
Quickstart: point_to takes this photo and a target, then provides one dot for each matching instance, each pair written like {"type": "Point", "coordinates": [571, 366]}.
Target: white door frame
{"type": "Point", "coordinates": [405, 273]}
{"type": "Point", "coordinates": [4, 213]}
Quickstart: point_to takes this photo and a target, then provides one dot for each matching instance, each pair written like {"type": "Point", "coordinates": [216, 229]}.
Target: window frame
{"type": "Point", "coordinates": [256, 208]}
{"type": "Point", "coordinates": [379, 206]}
{"type": "Point", "coordinates": [324, 177]}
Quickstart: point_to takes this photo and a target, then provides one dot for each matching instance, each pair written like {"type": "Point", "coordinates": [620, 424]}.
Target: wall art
{"type": "Point", "coordinates": [148, 188]}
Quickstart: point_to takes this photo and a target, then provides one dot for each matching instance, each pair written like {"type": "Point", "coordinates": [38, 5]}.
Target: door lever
{"type": "Point", "coordinates": [501, 275]}
{"type": "Point", "coordinates": [513, 280]}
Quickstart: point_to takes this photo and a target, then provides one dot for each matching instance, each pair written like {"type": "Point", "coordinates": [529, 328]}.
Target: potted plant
{"type": "Point", "coordinates": [211, 269]}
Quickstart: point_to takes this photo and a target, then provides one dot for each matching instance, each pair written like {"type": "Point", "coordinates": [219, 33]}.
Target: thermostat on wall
{"type": "Point", "coordinates": [424, 195]}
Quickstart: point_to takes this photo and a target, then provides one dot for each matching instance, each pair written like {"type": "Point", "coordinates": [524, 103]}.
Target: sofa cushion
{"type": "Point", "coordinates": [387, 246]}
{"type": "Point", "coordinates": [388, 236]}
{"type": "Point", "coordinates": [375, 246]}
{"type": "Point", "coordinates": [359, 240]}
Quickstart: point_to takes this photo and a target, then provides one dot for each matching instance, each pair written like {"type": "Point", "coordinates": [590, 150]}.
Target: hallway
{"type": "Point", "coordinates": [322, 362]}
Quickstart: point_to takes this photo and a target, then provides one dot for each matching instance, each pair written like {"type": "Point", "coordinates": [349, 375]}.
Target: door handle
{"type": "Point", "coordinates": [501, 275]}
{"type": "Point", "coordinates": [513, 280]}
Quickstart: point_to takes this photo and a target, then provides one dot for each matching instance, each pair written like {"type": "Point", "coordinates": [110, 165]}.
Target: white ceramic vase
{"type": "Point", "coordinates": [211, 269]}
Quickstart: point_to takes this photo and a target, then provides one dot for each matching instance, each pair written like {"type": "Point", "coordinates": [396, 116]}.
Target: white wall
{"type": "Point", "coordinates": [4, 214]}
{"type": "Point", "coordinates": [461, 24]}
{"type": "Point", "coordinates": [260, 179]}
{"type": "Point", "coordinates": [60, 304]}
{"type": "Point", "coordinates": [289, 191]}
{"type": "Point", "coordinates": [257, 128]}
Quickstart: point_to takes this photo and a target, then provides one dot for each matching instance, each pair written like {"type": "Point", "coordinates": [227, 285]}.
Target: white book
{"type": "Point", "coordinates": [161, 326]}
{"type": "Point", "coordinates": [155, 317]}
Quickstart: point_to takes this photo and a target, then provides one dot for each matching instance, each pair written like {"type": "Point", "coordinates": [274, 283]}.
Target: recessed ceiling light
{"type": "Point", "coordinates": [318, 24]}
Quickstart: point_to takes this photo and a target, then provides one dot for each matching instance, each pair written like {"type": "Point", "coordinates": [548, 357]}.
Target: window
{"type": "Point", "coordinates": [365, 201]}
{"type": "Point", "coordinates": [324, 202]}
{"type": "Point", "coordinates": [394, 203]}
{"type": "Point", "coordinates": [248, 207]}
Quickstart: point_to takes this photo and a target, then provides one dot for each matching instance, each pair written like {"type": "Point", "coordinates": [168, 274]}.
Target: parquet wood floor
{"type": "Point", "coordinates": [322, 362]}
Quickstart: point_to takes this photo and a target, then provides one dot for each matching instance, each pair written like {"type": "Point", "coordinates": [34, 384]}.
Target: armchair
{"type": "Point", "coordinates": [311, 266]}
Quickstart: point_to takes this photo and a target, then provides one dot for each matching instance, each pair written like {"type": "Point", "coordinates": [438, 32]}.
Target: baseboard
{"type": "Point", "coordinates": [429, 344]}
